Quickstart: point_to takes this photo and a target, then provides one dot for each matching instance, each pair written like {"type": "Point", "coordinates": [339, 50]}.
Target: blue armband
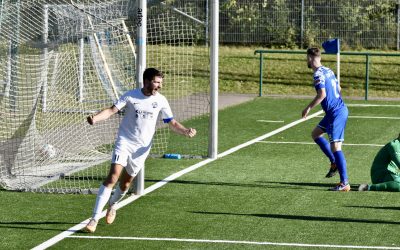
{"type": "Point", "coordinates": [168, 120]}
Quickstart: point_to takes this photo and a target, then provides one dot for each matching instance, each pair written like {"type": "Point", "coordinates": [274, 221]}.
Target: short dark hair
{"type": "Point", "coordinates": [314, 51]}
{"type": "Point", "coordinates": [150, 73]}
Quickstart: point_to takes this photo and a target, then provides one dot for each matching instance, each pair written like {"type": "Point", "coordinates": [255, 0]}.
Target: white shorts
{"type": "Point", "coordinates": [132, 158]}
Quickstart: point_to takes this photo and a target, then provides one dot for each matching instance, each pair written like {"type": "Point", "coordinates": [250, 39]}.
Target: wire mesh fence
{"type": "Point", "coordinates": [301, 23]}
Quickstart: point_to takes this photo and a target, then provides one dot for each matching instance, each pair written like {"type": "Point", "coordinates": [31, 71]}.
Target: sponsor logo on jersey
{"type": "Point", "coordinates": [144, 114]}
{"type": "Point", "coordinates": [155, 105]}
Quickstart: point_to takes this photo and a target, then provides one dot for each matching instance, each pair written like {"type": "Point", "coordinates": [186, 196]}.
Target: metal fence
{"type": "Point", "coordinates": [373, 24]}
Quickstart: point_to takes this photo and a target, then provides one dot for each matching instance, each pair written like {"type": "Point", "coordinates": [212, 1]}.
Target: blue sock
{"type": "Point", "coordinates": [325, 147]}
{"type": "Point", "coordinates": [341, 165]}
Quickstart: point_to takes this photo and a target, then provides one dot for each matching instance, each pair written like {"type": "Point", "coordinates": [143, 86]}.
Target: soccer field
{"type": "Point", "coordinates": [266, 191]}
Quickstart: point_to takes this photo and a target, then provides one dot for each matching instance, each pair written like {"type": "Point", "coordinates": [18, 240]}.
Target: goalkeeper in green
{"type": "Point", "coordinates": [385, 170]}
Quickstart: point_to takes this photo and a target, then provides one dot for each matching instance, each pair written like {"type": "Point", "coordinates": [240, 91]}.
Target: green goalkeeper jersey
{"type": "Point", "coordinates": [387, 163]}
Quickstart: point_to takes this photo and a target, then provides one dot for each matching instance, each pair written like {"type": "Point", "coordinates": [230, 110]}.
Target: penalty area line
{"type": "Point", "coordinates": [270, 121]}
{"type": "Point", "coordinates": [132, 198]}
{"type": "Point", "coordinates": [372, 117]}
{"type": "Point", "coordinates": [313, 143]}
{"type": "Point", "coordinates": [372, 105]}
{"type": "Point", "coordinates": [239, 242]}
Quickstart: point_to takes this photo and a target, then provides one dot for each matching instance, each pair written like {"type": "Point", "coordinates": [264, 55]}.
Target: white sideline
{"type": "Point", "coordinates": [235, 242]}
{"type": "Point", "coordinates": [172, 177]}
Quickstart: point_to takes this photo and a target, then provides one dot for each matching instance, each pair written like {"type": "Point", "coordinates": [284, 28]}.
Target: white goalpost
{"type": "Point", "coordinates": [63, 60]}
{"type": "Point", "coordinates": [141, 42]}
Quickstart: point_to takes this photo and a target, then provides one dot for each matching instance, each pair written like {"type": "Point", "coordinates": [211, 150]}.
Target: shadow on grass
{"type": "Point", "coordinates": [211, 183]}
{"type": "Point", "coordinates": [307, 184]}
{"type": "Point", "coordinates": [259, 184]}
{"type": "Point", "coordinates": [380, 208]}
{"type": "Point", "coordinates": [30, 225]}
{"type": "Point", "coordinates": [304, 218]}
{"type": "Point", "coordinates": [354, 187]}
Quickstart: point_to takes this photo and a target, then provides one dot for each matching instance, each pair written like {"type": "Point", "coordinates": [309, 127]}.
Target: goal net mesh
{"type": "Point", "coordinates": [61, 61]}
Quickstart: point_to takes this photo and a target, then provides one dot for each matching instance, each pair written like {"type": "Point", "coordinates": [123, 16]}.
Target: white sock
{"type": "Point", "coordinates": [102, 197]}
{"type": "Point", "coordinates": [117, 196]}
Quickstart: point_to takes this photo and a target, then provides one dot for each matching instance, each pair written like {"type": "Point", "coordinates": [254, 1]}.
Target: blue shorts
{"type": "Point", "coordinates": [334, 124]}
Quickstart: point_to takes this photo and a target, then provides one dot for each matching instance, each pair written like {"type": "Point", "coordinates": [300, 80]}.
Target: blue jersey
{"type": "Point", "coordinates": [325, 78]}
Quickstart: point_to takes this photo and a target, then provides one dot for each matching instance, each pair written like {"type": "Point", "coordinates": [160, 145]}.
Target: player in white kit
{"type": "Point", "coordinates": [134, 140]}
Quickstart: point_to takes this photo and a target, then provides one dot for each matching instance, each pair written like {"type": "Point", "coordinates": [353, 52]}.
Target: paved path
{"type": "Point", "coordinates": [226, 100]}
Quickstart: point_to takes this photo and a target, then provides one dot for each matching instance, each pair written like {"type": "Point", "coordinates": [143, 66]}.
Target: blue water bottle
{"type": "Point", "coordinates": [172, 156]}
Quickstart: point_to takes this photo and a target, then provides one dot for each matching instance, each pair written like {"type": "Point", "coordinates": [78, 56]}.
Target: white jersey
{"type": "Point", "coordinates": [141, 112]}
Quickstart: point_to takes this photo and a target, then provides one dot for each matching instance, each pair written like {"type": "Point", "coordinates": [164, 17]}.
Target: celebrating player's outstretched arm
{"type": "Point", "coordinates": [103, 115]}
{"type": "Point", "coordinates": [180, 129]}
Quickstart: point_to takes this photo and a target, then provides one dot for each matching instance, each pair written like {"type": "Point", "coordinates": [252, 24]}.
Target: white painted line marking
{"type": "Point", "coordinates": [313, 143]}
{"type": "Point", "coordinates": [235, 242]}
{"type": "Point", "coordinates": [263, 137]}
{"type": "Point", "coordinates": [372, 117]}
{"type": "Point", "coordinates": [372, 105]}
{"type": "Point", "coordinates": [172, 177]}
{"type": "Point", "coordinates": [270, 121]}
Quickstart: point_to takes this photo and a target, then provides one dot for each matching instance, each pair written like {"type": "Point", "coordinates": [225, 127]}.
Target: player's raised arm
{"type": "Point", "coordinates": [180, 129]}
{"type": "Point", "coordinates": [103, 115]}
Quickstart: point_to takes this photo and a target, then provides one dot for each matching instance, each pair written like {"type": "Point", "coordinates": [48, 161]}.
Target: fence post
{"type": "Point", "coordinates": [207, 22]}
{"type": "Point", "coordinates": [398, 25]}
{"type": "Point", "coordinates": [302, 25]}
{"type": "Point", "coordinates": [261, 74]}
{"type": "Point", "coordinates": [366, 77]}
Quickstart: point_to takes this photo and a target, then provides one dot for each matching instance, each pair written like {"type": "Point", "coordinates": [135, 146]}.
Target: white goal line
{"type": "Point", "coordinates": [239, 242]}
{"type": "Point", "coordinates": [313, 143]}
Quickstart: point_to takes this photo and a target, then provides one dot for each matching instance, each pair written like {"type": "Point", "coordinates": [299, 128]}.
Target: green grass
{"type": "Point", "coordinates": [284, 74]}
{"type": "Point", "coordinates": [265, 192]}
{"type": "Point", "coordinates": [288, 73]}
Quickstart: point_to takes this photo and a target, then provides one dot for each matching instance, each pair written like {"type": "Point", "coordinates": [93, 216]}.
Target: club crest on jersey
{"type": "Point", "coordinates": [155, 105]}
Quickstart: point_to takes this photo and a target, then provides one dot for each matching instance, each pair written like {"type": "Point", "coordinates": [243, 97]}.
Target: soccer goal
{"type": "Point", "coordinates": [63, 60]}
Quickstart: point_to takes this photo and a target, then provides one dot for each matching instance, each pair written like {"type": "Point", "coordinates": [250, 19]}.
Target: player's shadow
{"type": "Point", "coordinates": [379, 208]}
{"type": "Point", "coordinates": [303, 218]}
{"type": "Point", "coordinates": [354, 187]}
{"type": "Point", "coordinates": [302, 185]}
{"type": "Point", "coordinates": [257, 184]}
{"type": "Point", "coordinates": [229, 184]}
{"type": "Point", "coordinates": [31, 225]}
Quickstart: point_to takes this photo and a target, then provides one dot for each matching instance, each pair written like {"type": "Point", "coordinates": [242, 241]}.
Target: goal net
{"type": "Point", "coordinates": [61, 61]}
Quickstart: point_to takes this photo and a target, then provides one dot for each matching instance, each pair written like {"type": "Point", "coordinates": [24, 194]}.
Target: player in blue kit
{"type": "Point", "coordinates": [334, 121]}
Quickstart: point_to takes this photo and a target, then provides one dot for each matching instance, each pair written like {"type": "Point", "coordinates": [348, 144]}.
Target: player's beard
{"type": "Point", "coordinates": [154, 91]}
{"type": "Point", "coordinates": [150, 90]}
{"type": "Point", "coordinates": [309, 65]}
